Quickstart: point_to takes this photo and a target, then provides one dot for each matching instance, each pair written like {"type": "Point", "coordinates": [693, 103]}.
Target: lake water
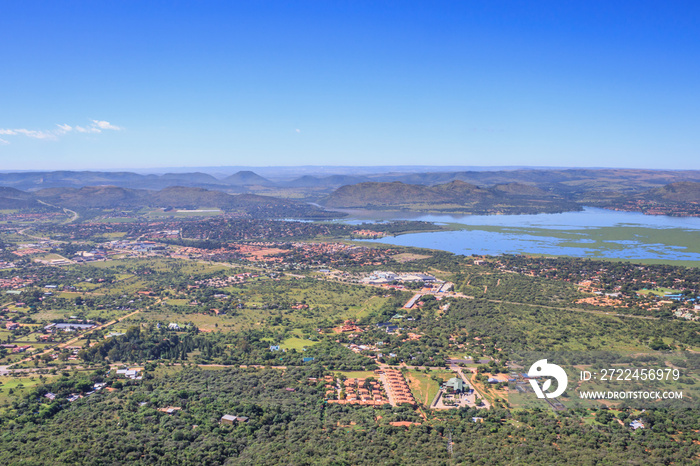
{"type": "Point", "coordinates": [591, 233]}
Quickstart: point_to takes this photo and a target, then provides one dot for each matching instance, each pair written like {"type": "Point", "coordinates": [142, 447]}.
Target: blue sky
{"type": "Point", "coordinates": [149, 84]}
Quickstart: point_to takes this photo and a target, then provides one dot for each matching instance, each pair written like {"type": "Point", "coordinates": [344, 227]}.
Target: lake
{"type": "Point", "coordinates": [594, 233]}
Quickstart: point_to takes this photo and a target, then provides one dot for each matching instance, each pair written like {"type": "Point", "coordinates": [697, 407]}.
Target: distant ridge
{"type": "Point", "coordinates": [246, 178]}
{"type": "Point", "coordinates": [78, 179]}
{"type": "Point", "coordinates": [89, 198]}
{"type": "Point", "coordinates": [573, 181]}
{"type": "Point", "coordinates": [683, 192]}
{"type": "Point", "coordinates": [309, 181]}
{"type": "Point", "coordinates": [453, 197]}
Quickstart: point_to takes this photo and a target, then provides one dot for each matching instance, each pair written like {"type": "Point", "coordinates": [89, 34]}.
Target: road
{"type": "Point", "coordinates": [74, 214]}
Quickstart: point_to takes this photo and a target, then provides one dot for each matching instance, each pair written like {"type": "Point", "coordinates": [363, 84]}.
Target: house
{"type": "Point", "coordinates": [308, 359]}
{"type": "Point", "coordinates": [170, 409]}
{"type": "Point", "coordinates": [231, 420]}
{"type": "Point", "coordinates": [637, 424]}
{"type": "Point", "coordinates": [173, 326]}
{"type": "Point", "coordinates": [68, 327]}
{"type": "Point", "coordinates": [455, 385]}
{"type": "Point", "coordinates": [132, 374]}
{"type": "Point", "coordinates": [274, 348]}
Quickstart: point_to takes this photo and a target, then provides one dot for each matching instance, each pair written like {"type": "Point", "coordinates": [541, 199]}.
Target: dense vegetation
{"type": "Point", "coordinates": [290, 424]}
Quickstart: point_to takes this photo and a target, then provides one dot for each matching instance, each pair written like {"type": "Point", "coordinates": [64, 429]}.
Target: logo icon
{"type": "Point", "coordinates": [543, 369]}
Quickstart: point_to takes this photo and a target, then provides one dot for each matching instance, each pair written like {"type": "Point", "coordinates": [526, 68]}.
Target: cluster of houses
{"type": "Point", "coordinates": [688, 314]}
{"type": "Point", "coordinates": [76, 396]}
{"type": "Point", "coordinates": [16, 282]}
{"type": "Point", "coordinates": [363, 392]}
{"type": "Point", "coordinates": [223, 282]}
{"type": "Point", "coordinates": [40, 247]}
{"type": "Point", "coordinates": [396, 386]}
{"type": "Point", "coordinates": [348, 326]}
{"type": "Point", "coordinates": [12, 348]}
{"type": "Point", "coordinates": [368, 233]}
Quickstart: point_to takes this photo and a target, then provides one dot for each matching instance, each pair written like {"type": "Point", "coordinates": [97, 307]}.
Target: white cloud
{"type": "Point", "coordinates": [97, 126]}
{"type": "Point", "coordinates": [297, 130]}
{"type": "Point", "coordinates": [34, 134]}
{"type": "Point", "coordinates": [105, 125]}
{"type": "Point", "coordinates": [88, 129]}
{"type": "Point", "coordinates": [3, 142]}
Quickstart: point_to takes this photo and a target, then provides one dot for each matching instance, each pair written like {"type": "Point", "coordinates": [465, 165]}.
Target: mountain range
{"type": "Point", "coordinates": [178, 197]}
{"type": "Point", "coordinates": [475, 191]}
{"type": "Point", "coordinates": [575, 182]}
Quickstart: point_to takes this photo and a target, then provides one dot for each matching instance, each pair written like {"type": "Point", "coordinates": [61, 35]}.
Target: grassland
{"type": "Point", "coordinates": [19, 385]}
{"type": "Point", "coordinates": [423, 386]}
{"type": "Point", "coordinates": [297, 344]}
{"type": "Point", "coordinates": [659, 291]}
{"type": "Point", "coordinates": [357, 374]}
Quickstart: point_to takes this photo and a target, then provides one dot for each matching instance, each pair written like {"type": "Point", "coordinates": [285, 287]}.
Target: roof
{"type": "Point", "coordinates": [232, 418]}
{"type": "Point", "coordinates": [455, 383]}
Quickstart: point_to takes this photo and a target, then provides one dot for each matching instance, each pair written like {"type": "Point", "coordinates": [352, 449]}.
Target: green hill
{"type": "Point", "coordinates": [684, 192]}
{"type": "Point", "coordinates": [455, 196]}
{"type": "Point", "coordinates": [110, 197]}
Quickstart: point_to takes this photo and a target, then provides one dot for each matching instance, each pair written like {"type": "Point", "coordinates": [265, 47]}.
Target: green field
{"type": "Point", "coordinates": [357, 374]}
{"type": "Point", "coordinates": [19, 385]}
{"type": "Point", "coordinates": [423, 387]}
{"type": "Point", "coordinates": [297, 344]}
{"type": "Point", "coordinates": [659, 291]}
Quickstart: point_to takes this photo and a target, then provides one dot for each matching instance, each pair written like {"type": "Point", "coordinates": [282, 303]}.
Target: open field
{"type": "Point", "coordinates": [19, 385]}
{"type": "Point", "coordinates": [659, 291]}
{"type": "Point", "coordinates": [297, 344]}
{"type": "Point", "coordinates": [424, 387]}
{"type": "Point", "coordinates": [357, 374]}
